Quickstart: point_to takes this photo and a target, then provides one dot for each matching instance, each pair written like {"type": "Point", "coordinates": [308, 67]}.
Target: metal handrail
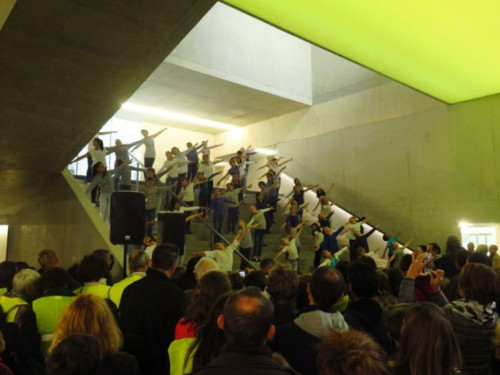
{"type": "Point", "coordinates": [216, 232]}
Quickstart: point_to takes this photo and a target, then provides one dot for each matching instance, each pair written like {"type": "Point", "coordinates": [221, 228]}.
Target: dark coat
{"type": "Point", "coordinates": [367, 316]}
{"type": "Point", "coordinates": [243, 360]}
{"type": "Point", "coordinates": [150, 309]}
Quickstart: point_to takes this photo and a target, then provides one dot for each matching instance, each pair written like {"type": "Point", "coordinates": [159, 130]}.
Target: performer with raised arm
{"type": "Point", "coordinates": [104, 179]}
{"type": "Point", "coordinates": [149, 144]}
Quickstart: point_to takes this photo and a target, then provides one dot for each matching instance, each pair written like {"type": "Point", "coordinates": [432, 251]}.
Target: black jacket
{"type": "Point", "coordinates": [367, 316]}
{"type": "Point", "coordinates": [149, 311]}
{"type": "Point", "coordinates": [244, 360]}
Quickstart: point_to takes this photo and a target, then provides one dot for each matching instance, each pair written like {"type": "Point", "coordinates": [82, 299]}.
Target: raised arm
{"type": "Point", "coordinates": [310, 187]}
{"type": "Point", "coordinates": [286, 161]}
{"type": "Point", "coordinates": [158, 133]}
{"type": "Point", "coordinates": [239, 237]}
{"type": "Point", "coordinates": [223, 178]}
{"type": "Point", "coordinates": [193, 216]}
{"type": "Point", "coordinates": [81, 157]}
{"type": "Point", "coordinates": [330, 188]}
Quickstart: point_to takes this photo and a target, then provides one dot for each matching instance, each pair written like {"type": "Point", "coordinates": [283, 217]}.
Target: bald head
{"type": "Point", "coordinates": [247, 318]}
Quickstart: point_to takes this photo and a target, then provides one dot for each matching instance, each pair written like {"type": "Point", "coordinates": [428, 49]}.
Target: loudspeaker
{"type": "Point", "coordinates": [171, 228]}
{"type": "Point", "coordinates": [128, 217]}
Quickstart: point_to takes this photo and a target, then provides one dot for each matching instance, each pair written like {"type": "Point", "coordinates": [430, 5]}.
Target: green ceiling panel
{"type": "Point", "coordinates": [447, 49]}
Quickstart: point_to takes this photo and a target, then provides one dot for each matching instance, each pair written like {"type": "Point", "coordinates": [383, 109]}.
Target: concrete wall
{"type": "Point", "coordinates": [415, 164]}
{"type": "Point", "coordinates": [60, 220]}
{"type": "Point", "coordinates": [231, 45]}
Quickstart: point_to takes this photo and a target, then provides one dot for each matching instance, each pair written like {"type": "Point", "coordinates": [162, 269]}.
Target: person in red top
{"type": "Point", "coordinates": [211, 286]}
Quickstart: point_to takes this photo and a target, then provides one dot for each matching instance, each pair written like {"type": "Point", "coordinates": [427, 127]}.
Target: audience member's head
{"type": "Point", "coordinates": [55, 278]}
{"type": "Point", "coordinates": [302, 294]}
{"type": "Point", "coordinates": [204, 265]}
{"type": "Point", "coordinates": [165, 257]}
{"type": "Point", "coordinates": [480, 258]}
{"type": "Point", "coordinates": [48, 259]}
{"type": "Point", "coordinates": [247, 318]}
{"type": "Point", "coordinates": [343, 267]}
{"type": "Point", "coordinates": [138, 261]}
{"type": "Point", "coordinates": [351, 353]}
{"type": "Point", "coordinates": [92, 268]}
{"type": "Point", "coordinates": [461, 259]}
{"type": "Point", "coordinates": [395, 277]}
{"type": "Point", "coordinates": [384, 294]}
{"type": "Point", "coordinates": [493, 250]}
{"type": "Point", "coordinates": [395, 318]}
{"type": "Point", "coordinates": [75, 355]}
{"type": "Point", "coordinates": [256, 278]}
{"type": "Point", "coordinates": [404, 264]}
{"type": "Point", "coordinates": [211, 286]}
{"type": "Point", "coordinates": [471, 246]}
{"type": "Point", "coordinates": [266, 265]}
{"type": "Point", "coordinates": [453, 244]}
{"type": "Point", "coordinates": [414, 353]}
{"type": "Point", "coordinates": [107, 256]}
{"type": "Point", "coordinates": [433, 248]}
{"type": "Point", "coordinates": [482, 249]}
{"type": "Point", "coordinates": [26, 283]}
{"type": "Point", "coordinates": [236, 281]}
{"type": "Point", "coordinates": [88, 314]}
{"type": "Point", "coordinates": [326, 287]}
{"type": "Point", "coordinates": [282, 285]}
{"type": "Point", "coordinates": [209, 338]}
{"type": "Point", "coordinates": [191, 266]}
{"type": "Point", "coordinates": [478, 282]}
{"type": "Point", "coordinates": [363, 280]}
{"type": "Point", "coordinates": [368, 261]}
{"type": "Point", "coordinates": [7, 272]}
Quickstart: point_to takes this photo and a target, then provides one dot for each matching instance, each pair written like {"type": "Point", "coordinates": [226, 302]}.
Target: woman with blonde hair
{"type": "Point", "coordinates": [90, 315]}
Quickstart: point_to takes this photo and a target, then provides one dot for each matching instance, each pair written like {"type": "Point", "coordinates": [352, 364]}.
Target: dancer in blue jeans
{"type": "Point", "coordinates": [258, 222]}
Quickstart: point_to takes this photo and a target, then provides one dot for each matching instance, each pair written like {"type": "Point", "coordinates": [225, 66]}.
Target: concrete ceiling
{"type": "Point", "coordinates": [177, 89]}
{"type": "Point", "coordinates": [65, 68]}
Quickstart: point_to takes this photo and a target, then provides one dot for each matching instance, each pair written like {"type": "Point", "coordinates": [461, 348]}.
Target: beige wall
{"type": "Point", "coordinates": [64, 220]}
{"type": "Point", "coordinates": [417, 165]}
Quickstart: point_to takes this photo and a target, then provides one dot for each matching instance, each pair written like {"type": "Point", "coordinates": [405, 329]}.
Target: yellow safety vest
{"type": "Point", "coordinates": [3, 291]}
{"type": "Point", "coordinates": [48, 310]}
{"type": "Point", "coordinates": [116, 291]}
{"type": "Point", "coordinates": [98, 290]}
{"type": "Point", "coordinates": [10, 305]}
{"type": "Point", "coordinates": [177, 351]}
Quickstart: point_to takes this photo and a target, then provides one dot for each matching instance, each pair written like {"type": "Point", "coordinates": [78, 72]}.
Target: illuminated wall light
{"type": "Point", "coordinates": [176, 116]}
{"type": "Point", "coordinates": [464, 224]}
{"type": "Point", "coordinates": [266, 151]}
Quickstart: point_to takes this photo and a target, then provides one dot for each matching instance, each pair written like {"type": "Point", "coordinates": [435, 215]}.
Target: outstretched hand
{"type": "Point", "coordinates": [437, 277]}
{"type": "Point", "coordinates": [417, 265]}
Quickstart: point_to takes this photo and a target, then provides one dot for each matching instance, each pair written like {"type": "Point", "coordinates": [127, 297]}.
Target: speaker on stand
{"type": "Point", "coordinates": [127, 216]}
{"type": "Point", "coordinates": [171, 228]}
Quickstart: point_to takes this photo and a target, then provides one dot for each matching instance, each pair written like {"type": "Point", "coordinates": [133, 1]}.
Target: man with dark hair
{"type": "Point", "coordinates": [364, 313]}
{"type": "Point", "coordinates": [297, 340]}
{"type": "Point", "coordinates": [246, 322]}
{"type": "Point", "coordinates": [93, 273]}
{"type": "Point", "coordinates": [150, 309]}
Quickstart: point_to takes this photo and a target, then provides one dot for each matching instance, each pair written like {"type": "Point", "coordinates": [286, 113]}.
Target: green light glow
{"type": "Point", "coordinates": [447, 49]}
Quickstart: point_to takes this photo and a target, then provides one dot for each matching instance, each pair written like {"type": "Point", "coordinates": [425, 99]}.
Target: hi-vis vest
{"type": "Point", "coordinates": [10, 305]}
{"type": "Point", "coordinates": [98, 290]}
{"type": "Point", "coordinates": [48, 311]}
{"type": "Point", "coordinates": [116, 291]}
